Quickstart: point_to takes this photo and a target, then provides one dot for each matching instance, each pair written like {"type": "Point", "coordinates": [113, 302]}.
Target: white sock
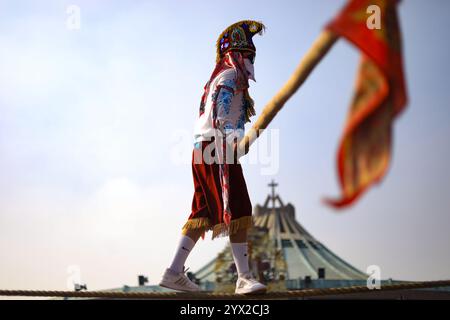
{"type": "Point", "coordinates": [184, 248]}
{"type": "Point", "coordinates": [240, 252]}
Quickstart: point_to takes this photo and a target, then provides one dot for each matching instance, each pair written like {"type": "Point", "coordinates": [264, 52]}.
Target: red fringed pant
{"type": "Point", "coordinates": [207, 203]}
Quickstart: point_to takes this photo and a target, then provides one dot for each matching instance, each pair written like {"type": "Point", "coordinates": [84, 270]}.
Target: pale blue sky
{"type": "Point", "coordinates": [91, 169]}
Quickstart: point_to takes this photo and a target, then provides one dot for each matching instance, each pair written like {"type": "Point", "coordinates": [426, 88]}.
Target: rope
{"type": "Point", "coordinates": [310, 60]}
{"type": "Point", "coordinates": [221, 296]}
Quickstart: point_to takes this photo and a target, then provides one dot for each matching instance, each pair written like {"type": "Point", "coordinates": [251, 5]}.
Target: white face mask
{"type": "Point", "coordinates": [250, 68]}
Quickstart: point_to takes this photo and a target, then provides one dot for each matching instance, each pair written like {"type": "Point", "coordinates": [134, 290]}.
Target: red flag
{"type": "Point", "coordinates": [365, 149]}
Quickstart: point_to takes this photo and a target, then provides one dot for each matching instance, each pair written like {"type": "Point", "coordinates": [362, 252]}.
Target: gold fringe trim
{"type": "Point", "coordinates": [259, 25]}
{"type": "Point", "coordinates": [220, 229]}
{"type": "Point", "coordinates": [250, 106]}
{"type": "Point", "coordinates": [197, 223]}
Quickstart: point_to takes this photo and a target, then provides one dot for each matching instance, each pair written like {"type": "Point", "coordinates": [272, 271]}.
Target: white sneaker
{"type": "Point", "coordinates": [247, 284]}
{"type": "Point", "coordinates": [178, 281]}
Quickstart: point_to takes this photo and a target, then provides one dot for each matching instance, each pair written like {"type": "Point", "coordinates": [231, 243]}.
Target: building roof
{"type": "Point", "coordinates": [280, 248]}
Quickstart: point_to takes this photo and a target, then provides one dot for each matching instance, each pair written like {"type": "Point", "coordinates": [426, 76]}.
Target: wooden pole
{"type": "Point", "coordinates": [315, 54]}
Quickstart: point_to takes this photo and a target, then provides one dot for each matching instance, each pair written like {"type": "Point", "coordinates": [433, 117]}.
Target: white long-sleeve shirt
{"type": "Point", "coordinates": [223, 110]}
{"type": "Point", "coordinates": [221, 116]}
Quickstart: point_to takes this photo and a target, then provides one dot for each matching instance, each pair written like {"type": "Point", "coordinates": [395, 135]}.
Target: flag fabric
{"type": "Point", "coordinates": [364, 151]}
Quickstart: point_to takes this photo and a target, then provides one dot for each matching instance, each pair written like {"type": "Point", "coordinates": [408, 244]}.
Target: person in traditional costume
{"type": "Point", "coordinates": [221, 202]}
